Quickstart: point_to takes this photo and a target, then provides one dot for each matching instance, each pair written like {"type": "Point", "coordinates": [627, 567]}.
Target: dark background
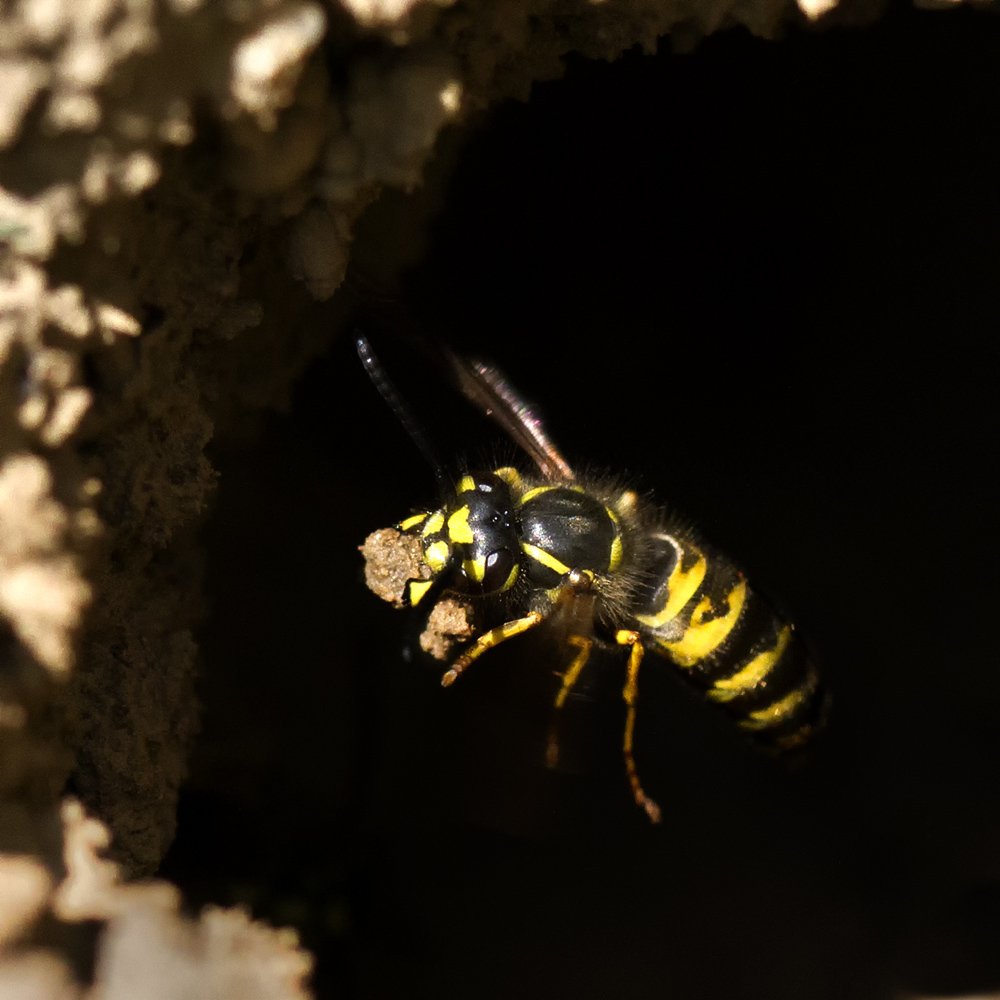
{"type": "Point", "coordinates": [762, 279]}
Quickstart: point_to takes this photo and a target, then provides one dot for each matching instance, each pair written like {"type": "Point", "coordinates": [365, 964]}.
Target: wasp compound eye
{"type": "Point", "coordinates": [499, 565]}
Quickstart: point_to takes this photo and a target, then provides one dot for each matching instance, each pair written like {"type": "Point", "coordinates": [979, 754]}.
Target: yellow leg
{"type": "Point", "coordinates": [488, 640]}
{"type": "Point", "coordinates": [631, 696]}
{"type": "Point", "coordinates": [584, 644]}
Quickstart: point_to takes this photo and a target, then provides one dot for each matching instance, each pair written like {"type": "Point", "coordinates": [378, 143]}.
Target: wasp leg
{"type": "Point", "coordinates": [584, 644]}
{"type": "Point", "coordinates": [488, 640]}
{"type": "Point", "coordinates": [631, 696]}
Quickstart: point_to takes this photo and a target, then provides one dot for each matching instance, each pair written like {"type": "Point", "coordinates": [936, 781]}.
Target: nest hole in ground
{"type": "Point", "coordinates": [759, 278]}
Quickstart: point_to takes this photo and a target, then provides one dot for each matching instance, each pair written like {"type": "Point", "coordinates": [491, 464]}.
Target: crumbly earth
{"type": "Point", "coordinates": [449, 622]}
{"type": "Point", "coordinates": [392, 559]}
{"type": "Point", "coordinates": [144, 942]}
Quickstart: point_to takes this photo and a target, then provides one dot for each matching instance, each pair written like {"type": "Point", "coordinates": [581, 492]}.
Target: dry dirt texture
{"type": "Point", "coordinates": [180, 183]}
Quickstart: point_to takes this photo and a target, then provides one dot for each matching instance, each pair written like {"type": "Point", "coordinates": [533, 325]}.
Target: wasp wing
{"type": "Point", "coordinates": [487, 389]}
{"type": "Point", "coordinates": [480, 383]}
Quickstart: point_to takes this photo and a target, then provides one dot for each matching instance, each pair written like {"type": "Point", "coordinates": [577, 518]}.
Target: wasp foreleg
{"type": "Point", "coordinates": [488, 640]}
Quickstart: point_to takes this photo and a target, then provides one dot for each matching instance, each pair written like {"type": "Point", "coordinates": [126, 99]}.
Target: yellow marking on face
{"type": "Point", "coordinates": [510, 476]}
{"type": "Point", "coordinates": [546, 559]}
{"type": "Point", "coordinates": [704, 637]}
{"type": "Point", "coordinates": [774, 715]}
{"type": "Point", "coordinates": [418, 588]}
{"type": "Point", "coordinates": [465, 484]}
{"type": "Point", "coordinates": [436, 555]}
{"type": "Point", "coordinates": [536, 492]}
{"type": "Point", "coordinates": [727, 688]}
{"type": "Point", "coordinates": [458, 527]}
{"type": "Point", "coordinates": [511, 577]}
{"type": "Point", "coordinates": [475, 569]}
{"type": "Point", "coordinates": [434, 524]}
{"type": "Point", "coordinates": [411, 522]}
{"type": "Point", "coordinates": [681, 588]}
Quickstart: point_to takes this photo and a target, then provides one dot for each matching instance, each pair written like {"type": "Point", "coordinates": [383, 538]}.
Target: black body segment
{"type": "Point", "coordinates": [564, 528]}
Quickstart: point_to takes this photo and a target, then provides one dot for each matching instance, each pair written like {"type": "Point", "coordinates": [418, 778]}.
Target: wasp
{"type": "Point", "coordinates": [593, 560]}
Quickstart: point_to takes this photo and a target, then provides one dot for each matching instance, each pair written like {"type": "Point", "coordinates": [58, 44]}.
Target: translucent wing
{"type": "Point", "coordinates": [488, 390]}
{"type": "Point", "coordinates": [480, 383]}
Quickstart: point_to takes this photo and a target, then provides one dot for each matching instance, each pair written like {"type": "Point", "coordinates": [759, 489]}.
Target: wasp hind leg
{"type": "Point", "coordinates": [631, 696]}
{"type": "Point", "coordinates": [488, 640]}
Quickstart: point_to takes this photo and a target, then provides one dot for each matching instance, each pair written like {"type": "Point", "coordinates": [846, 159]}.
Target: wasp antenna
{"type": "Point", "coordinates": [391, 395]}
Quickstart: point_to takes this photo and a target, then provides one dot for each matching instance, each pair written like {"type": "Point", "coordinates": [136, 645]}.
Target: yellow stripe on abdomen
{"type": "Point", "coordinates": [681, 587]}
{"type": "Point", "coordinates": [780, 711]}
{"type": "Point", "coordinates": [746, 679]}
{"type": "Point", "coordinates": [702, 638]}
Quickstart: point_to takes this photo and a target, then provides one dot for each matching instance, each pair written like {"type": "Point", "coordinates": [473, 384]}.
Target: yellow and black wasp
{"type": "Point", "coordinates": [595, 561]}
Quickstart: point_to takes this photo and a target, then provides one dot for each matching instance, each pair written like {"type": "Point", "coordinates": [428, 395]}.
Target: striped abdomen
{"type": "Point", "coordinates": [699, 612]}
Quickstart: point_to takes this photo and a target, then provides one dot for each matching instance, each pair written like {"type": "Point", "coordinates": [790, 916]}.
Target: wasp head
{"type": "Point", "coordinates": [471, 546]}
